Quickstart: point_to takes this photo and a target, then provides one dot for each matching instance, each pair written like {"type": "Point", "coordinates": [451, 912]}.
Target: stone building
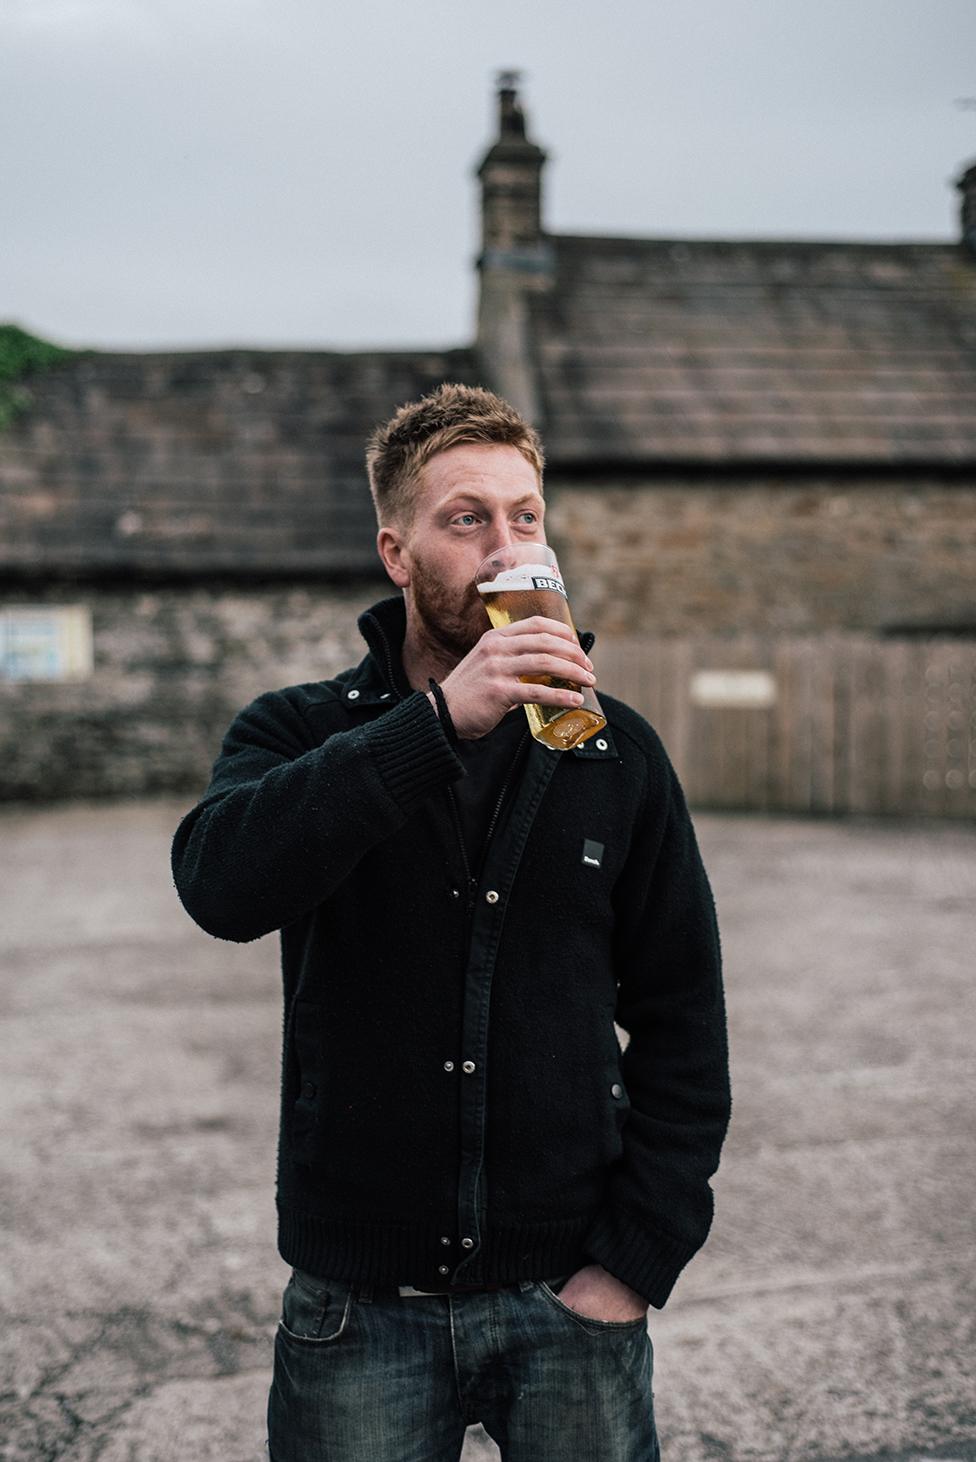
{"type": "Point", "coordinates": [745, 438]}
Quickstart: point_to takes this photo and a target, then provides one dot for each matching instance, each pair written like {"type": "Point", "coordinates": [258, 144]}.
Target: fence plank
{"type": "Point", "coordinates": [858, 724]}
{"type": "Point", "coordinates": [933, 776]}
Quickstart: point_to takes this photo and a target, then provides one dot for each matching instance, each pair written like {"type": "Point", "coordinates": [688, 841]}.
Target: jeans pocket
{"type": "Point", "coordinates": [588, 1322]}
{"type": "Point", "coordinates": [314, 1311]}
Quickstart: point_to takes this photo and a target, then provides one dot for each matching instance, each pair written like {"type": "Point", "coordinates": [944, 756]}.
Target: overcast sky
{"type": "Point", "coordinates": [295, 172]}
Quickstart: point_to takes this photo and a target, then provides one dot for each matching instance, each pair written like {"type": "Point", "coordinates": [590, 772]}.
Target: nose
{"type": "Point", "coordinates": [502, 535]}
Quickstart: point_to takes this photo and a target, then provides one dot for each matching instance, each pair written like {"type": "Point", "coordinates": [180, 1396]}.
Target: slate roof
{"type": "Point", "coordinates": [649, 350]}
{"type": "Point", "coordinates": [711, 353]}
{"type": "Point", "coordinates": [245, 461]}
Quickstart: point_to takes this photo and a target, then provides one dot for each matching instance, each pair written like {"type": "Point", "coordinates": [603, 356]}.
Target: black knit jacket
{"type": "Point", "coordinates": [455, 1105]}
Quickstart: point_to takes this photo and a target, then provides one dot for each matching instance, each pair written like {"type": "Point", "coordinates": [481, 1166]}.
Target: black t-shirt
{"type": "Point", "coordinates": [489, 763]}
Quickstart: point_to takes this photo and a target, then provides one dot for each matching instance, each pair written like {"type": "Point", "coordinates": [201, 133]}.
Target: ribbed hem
{"type": "Point", "coordinates": [644, 1258]}
{"type": "Point", "coordinates": [389, 1253]}
{"type": "Point", "coordinates": [411, 751]}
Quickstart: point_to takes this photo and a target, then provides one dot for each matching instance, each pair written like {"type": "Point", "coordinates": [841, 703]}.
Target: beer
{"type": "Point", "coordinates": [518, 592]}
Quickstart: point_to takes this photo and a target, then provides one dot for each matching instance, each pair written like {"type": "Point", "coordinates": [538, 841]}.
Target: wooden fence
{"type": "Point", "coordinates": [838, 723]}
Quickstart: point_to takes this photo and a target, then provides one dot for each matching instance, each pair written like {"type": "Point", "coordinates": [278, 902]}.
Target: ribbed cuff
{"type": "Point", "coordinates": [412, 753]}
{"type": "Point", "coordinates": [644, 1258]}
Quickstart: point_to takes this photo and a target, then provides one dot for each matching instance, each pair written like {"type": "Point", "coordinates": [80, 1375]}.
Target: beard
{"type": "Point", "coordinates": [450, 621]}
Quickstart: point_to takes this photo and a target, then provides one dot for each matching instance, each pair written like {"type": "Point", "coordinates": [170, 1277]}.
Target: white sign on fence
{"type": "Point", "coordinates": [733, 688]}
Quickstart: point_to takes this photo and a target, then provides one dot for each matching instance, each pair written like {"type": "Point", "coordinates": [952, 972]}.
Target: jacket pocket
{"type": "Point", "coordinates": [617, 1099]}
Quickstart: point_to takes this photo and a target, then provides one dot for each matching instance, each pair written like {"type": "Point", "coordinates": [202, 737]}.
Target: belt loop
{"type": "Point", "coordinates": [525, 1284]}
{"type": "Point", "coordinates": [364, 1292]}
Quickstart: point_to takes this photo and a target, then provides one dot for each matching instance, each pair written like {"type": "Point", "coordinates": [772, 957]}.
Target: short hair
{"type": "Point", "coordinates": [397, 451]}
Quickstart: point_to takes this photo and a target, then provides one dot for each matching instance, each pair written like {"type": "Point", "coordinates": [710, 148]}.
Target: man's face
{"type": "Point", "coordinates": [471, 499]}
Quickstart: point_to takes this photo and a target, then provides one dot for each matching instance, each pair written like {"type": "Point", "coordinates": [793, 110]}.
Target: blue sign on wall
{"type": "Point", "coordinates": [47, 642]}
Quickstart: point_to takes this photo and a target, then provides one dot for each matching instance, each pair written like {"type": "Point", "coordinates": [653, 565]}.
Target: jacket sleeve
{"type": "Point", "coordinates": [675, 1068]}
{"type": "Point", "coordinates": [284, 821]}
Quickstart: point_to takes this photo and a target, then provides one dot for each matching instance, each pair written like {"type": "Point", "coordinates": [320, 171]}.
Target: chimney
{"type": "Point", "coordinates": [515, 259]}
{"type": "Point", "coordinates": [967, 209]}
{"type": "Point", "coordinates": [511, 179]}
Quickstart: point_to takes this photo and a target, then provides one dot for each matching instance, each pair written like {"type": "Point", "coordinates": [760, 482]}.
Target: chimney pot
{"type": "Point", "coordinates": [966, 184]}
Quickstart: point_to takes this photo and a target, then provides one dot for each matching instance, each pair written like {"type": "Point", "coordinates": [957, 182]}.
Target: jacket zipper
{"type": "Point", "coordinates": [469, 882]}
{"type": "Point", "coordinates": [472, 883]}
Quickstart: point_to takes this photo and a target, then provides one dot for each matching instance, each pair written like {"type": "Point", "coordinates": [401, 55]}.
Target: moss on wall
{"type": "Point", "coordinates": [21, 356]}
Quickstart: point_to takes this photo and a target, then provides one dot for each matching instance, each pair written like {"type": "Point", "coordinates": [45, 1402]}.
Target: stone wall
{"type": "Point", "coordinates": [769, 556]}
{"type": "Point", "coordinates": [171, 668]}
{"type": "Point", "coordinates": [173, 664]}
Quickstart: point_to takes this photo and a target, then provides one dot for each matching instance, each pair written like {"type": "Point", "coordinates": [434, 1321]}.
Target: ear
{"type": "Point", "coordinates": [391, 549]}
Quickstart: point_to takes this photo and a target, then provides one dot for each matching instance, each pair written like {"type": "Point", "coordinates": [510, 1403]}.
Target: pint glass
{"type": "Point", "coordinates": [515, 583]}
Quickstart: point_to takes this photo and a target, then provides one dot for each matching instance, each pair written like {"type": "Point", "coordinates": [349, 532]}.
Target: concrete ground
{"type": "Point", "coordinates": [830, 1315]}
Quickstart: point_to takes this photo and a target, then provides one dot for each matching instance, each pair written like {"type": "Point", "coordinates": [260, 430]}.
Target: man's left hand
{"type": "Point", "coordinates": [602, 1296]}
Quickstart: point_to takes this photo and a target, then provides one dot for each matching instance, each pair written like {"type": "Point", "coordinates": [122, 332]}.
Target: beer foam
{"type": "Point", "coordinates": [521, 576]}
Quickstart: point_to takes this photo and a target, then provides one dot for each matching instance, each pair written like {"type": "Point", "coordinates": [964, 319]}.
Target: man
{"type": "Point", "coordinates": [479, 1192]}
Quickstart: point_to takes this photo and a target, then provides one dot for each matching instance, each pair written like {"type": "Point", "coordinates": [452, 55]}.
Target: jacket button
{"type": "Point", "coordinates": [448, 1065]}
{"type": "Point", "coordinates": [443, 1269]}
{"type": "Point", "coordinates": [601, 745]}
{"type": "Point", "coordinates": [491, 897]}
{"type": "Point", "coordinates": [308, 1090]}
{"type": "Point", "coordinates": [445, 1240]}
{"type": "Point", "coordinates": [467, 1243]}
{"type": "Point", "coordinates": [353, 695]}
{"type": "Point", "coordinates": [467, 1066]}
{"type": "Point", "coordinates": [616, 1090]}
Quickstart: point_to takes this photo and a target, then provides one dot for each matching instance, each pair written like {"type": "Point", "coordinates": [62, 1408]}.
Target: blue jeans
{"type": "Point", "coordinates": [362, 1372]}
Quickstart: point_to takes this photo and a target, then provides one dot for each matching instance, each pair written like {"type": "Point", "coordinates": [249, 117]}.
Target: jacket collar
{"type": "Point", "coordinates": [379, 679]}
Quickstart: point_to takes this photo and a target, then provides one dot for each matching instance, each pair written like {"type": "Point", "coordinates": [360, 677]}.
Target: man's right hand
{"type": "Point", "coordinates": [486, 684]}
